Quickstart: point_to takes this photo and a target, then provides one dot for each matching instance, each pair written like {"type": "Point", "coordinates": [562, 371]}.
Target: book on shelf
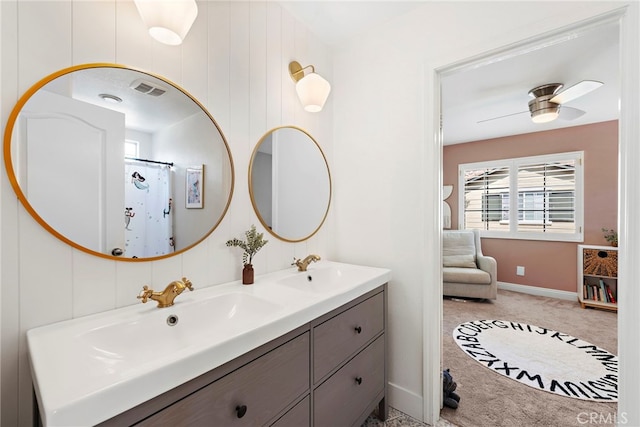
{"type": "Point", "coordinates": [603, 292]}
{"type": "Point", "coordinates": [598, 292]}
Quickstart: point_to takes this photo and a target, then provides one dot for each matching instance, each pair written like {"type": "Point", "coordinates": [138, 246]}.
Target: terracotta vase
{"type": "Point", "coordinates": [247, 274]}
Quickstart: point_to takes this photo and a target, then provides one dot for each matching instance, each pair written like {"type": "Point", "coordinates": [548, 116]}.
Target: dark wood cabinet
{"type": "Point", "coordinates": [298, 416]}
{"type": "Point", "coordinates": [249, 396]}
{"type": "Point", "coordinates": [346, 333]}
{"type": "Point", "coordinates": [343, 399]}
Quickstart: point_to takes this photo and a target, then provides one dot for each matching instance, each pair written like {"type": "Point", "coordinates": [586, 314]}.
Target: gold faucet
{"type": "Point", "coordinates": [166, 297]}
{"type": "Point", "coordinates": [302, 265]}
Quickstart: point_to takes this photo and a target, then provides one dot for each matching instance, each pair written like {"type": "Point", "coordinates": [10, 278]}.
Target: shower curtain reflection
{"type": "Point", "coordinates": [148, 220]}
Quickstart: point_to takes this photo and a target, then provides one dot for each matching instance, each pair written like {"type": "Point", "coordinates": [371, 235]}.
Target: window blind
{"type": "Point", "coordinates": [484, 192]}
{"type": "Point", "coordinates": [546, 196]}
{"type": "Point", "coordinates": [537, 197]}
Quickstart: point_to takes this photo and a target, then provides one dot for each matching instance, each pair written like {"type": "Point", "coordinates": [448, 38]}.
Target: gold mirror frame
{"type": "Point", "coordinates": [11, 122]}
{"type": "Point", "coordinates": [252, 189]}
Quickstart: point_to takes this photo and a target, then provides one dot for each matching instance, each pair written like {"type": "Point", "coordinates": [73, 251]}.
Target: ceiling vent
{"type": "Point", "coordinates": [147, 88]}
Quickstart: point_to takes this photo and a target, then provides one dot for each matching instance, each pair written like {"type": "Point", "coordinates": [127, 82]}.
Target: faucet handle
{"type": "Point", "coordinates": [145, 294]}
{"type": "Point", "coordinates": [187, 283]}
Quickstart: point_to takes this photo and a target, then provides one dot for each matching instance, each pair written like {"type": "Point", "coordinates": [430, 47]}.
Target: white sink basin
{"type": "Point", "coordinates": [328, 278]}
{"type": "Point", "coordinates": [131, 341]}
{"type": "Point", "coordinates": [89, 369]}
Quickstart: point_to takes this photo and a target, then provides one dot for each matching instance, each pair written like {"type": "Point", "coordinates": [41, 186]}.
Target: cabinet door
{"type": "Point", "coordinates": [249, 396]}
{"type": "Point", "coordinates": [298, 416]}
{"type": "Point", "coordinates": [343, 398]}
{"type": "Point", "coordinates": [341, 336]}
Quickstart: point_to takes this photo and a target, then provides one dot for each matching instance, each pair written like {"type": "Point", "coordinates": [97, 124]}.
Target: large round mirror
{"type": "Point", "coordinates": [118, 162]}
{"type": "Point", "coordinates": [289, 183]}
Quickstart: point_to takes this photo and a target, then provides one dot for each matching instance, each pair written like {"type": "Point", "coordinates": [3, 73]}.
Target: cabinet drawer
{"type": "Point", "coordinates": [341, 336]}
{"type": "Point", "coordinates": [298, 416]}
{"type": "Point", "coordinates": [249, 396]}
{"type": "Point", "coordinates": [342, 399]}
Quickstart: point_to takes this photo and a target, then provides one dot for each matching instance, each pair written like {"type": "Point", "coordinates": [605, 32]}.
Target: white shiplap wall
{"type": "Point", "coordinates": [234, 61]}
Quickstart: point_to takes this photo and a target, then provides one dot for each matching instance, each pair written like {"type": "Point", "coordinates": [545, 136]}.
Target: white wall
{"type": "Point", "coordinates": [183, 145]}
{"type": "Point", "coordinates": [386, 151]}
{"type": "Point", "coordinates": [301, 187]}
{"type": "Point", "coordinates": [235, 62]}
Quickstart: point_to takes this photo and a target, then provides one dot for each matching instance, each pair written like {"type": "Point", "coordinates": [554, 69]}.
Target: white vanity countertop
{"type": "Point", "coordinates": [90, 369]}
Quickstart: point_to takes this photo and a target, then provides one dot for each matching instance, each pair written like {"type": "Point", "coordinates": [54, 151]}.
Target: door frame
{"type": "Point", "coordinates": [628, 18]}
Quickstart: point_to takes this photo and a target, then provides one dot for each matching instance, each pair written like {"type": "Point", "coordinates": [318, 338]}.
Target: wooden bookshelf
{"type": "Point", "coordinates": [598, 277]}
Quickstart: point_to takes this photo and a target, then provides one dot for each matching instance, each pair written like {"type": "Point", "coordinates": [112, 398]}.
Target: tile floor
{"type": "Point", "coordinates": [399, 419]}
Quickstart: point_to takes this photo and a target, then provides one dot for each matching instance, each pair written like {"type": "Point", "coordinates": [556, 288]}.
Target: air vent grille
{"type": "Point", "coordinates": [145, 87]}
{"type": "Point", "coordinates": [156, 92]}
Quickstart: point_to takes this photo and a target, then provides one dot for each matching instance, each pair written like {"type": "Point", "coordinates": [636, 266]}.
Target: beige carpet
{"type": "Point", "coordinates": [492, 400]}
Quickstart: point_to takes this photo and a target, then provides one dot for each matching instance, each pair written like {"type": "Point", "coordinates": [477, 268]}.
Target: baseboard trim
{"type": "Point", "coordinates": [405, 401]}
{"type": "Point", "coordinates": [543, 292]}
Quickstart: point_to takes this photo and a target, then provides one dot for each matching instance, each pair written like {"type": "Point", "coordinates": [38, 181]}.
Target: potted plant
{"type": "Point", "coordinates": [253, 243]}
{"type": "Point", "coordinates": [611, 236]}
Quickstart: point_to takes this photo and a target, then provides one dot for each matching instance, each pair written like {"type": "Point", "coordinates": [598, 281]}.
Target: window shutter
{"type": "Point", "coordinates": [535, 198]}
{"type": "Point", "coordinates": [484, 193]}
{"type": "Point", "coordinates": [546, 196]}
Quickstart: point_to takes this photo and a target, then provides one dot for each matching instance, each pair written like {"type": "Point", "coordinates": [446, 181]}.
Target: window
{"type": "Point", "coordinates": [131, 149]}
{"type": "Point", "coordinates": [544, 193]}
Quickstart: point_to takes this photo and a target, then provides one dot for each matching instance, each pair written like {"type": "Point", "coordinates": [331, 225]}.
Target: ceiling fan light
{"type": "Point", "coordinates": [545, 116]}
{"type": "Point", "coordinates": [542, 110]}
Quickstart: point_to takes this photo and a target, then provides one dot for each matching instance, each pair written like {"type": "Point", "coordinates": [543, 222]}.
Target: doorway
{"type": "Point", "coordinates": [609, 19]}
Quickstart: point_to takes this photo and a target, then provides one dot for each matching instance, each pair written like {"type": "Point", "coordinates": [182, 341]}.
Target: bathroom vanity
{"type": "Point", "coordinates": [315, 357]}
{"type": "Point", "coordinates": [343, 352]}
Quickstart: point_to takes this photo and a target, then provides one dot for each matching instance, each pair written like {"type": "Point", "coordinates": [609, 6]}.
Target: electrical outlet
{"type": "Point", "coordinates": [520, 270]}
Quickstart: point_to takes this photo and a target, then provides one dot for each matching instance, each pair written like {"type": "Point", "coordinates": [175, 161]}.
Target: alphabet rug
{"type": "Point", "coordinates": [541, 358]}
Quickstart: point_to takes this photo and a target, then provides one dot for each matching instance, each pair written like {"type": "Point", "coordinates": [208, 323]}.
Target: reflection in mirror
{"type": "Point", "coordinates": [99, 153]}
{"type": "Point", "coordinates": [289, 183]}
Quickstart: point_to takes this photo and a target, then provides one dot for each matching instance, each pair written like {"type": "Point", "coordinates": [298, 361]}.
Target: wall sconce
{"type": "Point", "coordinates": [312, 89]}
{"type": "Point", "coordinates": [168, 21]}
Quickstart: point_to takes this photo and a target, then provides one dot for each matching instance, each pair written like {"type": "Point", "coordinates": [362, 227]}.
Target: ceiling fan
{"type": "Point", "coordinates": [548, 101]}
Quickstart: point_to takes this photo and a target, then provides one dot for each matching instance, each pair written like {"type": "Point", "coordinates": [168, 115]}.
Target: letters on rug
{"type": "Point", "coordinates": [541, 358]}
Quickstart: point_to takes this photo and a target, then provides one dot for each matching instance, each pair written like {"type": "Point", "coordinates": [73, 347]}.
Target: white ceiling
{"type": "Point", "coordinates": [498, 88]}
{"type": "Point", "coordinates": [336, 21]}
{"type": "Point", "coordinates": [142, 112]}
{"type": "Point", "coordinates": [501, 88]}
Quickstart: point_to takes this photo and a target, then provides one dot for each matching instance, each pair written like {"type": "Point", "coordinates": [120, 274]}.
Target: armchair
{"type": "Point", "coordinates": [466, 272]}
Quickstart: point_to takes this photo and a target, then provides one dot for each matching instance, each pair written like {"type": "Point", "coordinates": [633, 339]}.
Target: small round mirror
{"type": "Point", "coordinates": [118, 162]}
{"type": "Point", "coordinates": [289, 183]}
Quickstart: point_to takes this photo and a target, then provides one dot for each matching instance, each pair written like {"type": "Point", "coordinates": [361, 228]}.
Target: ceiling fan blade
{"type": "Point", "coordinates": [501, 117]}
{"type": "Point", "coordinates": [576, 91]}
{"type": "Point", "coordinates": [570, 113]}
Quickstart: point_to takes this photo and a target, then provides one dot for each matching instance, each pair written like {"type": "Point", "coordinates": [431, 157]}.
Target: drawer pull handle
{"type": "Point", "coordinates": [358, 329]}
{"type": "Point", "coordinates": [241, 410]}
{"type": "Point", "coordinates": [359, 380]}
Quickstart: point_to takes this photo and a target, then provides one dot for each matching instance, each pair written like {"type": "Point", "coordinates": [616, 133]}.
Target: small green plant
{"type": "Point", "coordinates": [611, 236]}
{"type": "Point", "coordinates": [253, 243]}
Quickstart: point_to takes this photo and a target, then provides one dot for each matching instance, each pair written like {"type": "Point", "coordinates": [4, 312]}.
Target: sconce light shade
{"type": "Point", "coordinates": [312, 89]}
{"type": "Point", "coordinates": [313, 92]}
{"type": "Point", "coordinates": [168, 21]}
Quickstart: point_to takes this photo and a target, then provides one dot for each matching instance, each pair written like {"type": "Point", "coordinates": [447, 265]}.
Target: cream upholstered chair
{"type": "Point", "coordinates": [466, 272]}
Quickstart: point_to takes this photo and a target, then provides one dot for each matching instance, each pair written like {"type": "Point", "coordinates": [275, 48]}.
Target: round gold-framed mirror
{"type": "Point", "coordinates": [117, 162]}
{"type": "Point", "coordinates": [290, 183]}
